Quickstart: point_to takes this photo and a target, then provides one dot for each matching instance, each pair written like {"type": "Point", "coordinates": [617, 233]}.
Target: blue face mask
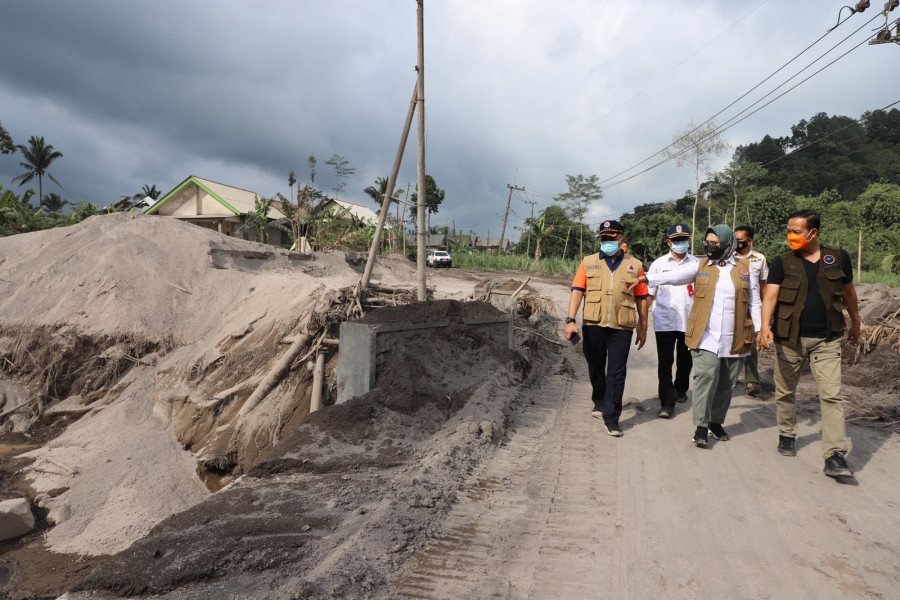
{"type": "Point", "coordinates": [680, 247]}
{"type": "Point", "coordinates": [609, 248]}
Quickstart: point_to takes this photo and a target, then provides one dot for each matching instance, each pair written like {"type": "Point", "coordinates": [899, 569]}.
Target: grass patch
{"type": "Point", "coordinates": [483, 261]}
{"type": "Point", "coordinates": [888, 279]}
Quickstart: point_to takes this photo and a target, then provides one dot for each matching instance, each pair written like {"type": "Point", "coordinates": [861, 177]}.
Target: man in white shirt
{"type": "Point", "coordinates": [671, 307]}
{"type": "Point", "coordinates": [743, 248]}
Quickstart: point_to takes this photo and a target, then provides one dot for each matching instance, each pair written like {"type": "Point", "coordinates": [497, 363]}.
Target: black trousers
{"type": "Point", "coordinates": [606, 351]}
{"type": "Point", "coordinates": [670, 347]}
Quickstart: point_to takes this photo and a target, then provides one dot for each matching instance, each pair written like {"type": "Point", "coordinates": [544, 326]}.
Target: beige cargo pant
{"type": "Point", "coordinates": [825, 363]}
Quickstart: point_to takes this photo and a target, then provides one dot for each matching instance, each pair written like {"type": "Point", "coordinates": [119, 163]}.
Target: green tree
{"type": "Point", "coordinates": [258, 219]}
{"type": "Point", "coordinates": [433, 198]}
{"type": "Point", "coordinates": [695, 146]}
{"type": "Point", "coordinates": [539, 229]}
{"type": "Point", "coordinates": [737, 176]}
{"type": "Point", "coordinates": [376, 192]}
{"type": "Point", "coordinates": [38, 157]}
{"type": "Point", "coordinates": [53, 203]}
{"type": "Point", "coordinates": [342, 170]}
{"type": "Point", "coordinates": [582, 192]}
{"type": "Point", "coordinates": [767, 211]}
{"type": "Point", "coordinates": [6, 142]}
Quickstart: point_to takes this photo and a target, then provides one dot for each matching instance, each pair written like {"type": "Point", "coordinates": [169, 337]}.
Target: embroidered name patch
{"type": "Point", "coordinates": [701, 273]}
{"type": "Point", "coordinates": [829, 259]}
{"type": "Point", "coordinates": [745, 272]}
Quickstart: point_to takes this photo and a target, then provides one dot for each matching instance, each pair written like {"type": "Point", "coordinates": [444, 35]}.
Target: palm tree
{"type": "Point", "coordinates": [378, 191]}
{"type": "Point", "coordinates": [150, 190]}
{"type": "Point", "coordinates": [38, 157]}
{"type": "Point", "coordinates": [292, 180]}
{"type": "Point", "coordinates": [53, 203]}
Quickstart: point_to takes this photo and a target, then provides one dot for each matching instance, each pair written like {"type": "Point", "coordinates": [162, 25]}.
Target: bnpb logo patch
{"type": "Point", "coordinates": [745, 272]}
{"type": "Point", "coordinates": [829, 259]}
{"type": "Point", "coordinates": [606, 224]}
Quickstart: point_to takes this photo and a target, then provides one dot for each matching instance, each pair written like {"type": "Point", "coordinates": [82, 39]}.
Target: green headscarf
{"type": "Point", "coordinates": [726, 239]}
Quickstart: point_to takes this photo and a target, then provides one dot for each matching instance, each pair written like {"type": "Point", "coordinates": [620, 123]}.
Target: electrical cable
{"type": "Point", "coordinates": [744, 95]}
{"type": "Point", "coordinates": [724, 128]}
{"type": "Point", "coordinates": [658, 78]}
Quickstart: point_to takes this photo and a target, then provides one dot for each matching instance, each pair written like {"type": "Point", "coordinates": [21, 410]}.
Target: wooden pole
{"type": "Point", "coordinates": [506, 214]}
{"type": "Point", "coordinates": [420, 234]}
{"type": "Point", "coordinates": [392, 180]}
{"type": "Point", "coordinates": [315, 402]}
{"type": "Point", "coordinates": [859, 259]}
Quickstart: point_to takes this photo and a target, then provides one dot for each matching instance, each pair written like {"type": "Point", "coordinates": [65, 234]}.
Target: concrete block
{"type": "Point", "coordinates": [360, 345]}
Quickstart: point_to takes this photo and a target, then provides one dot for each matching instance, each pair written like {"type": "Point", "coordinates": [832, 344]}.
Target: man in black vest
{"type": "Point", "coordinates": [807, 291]}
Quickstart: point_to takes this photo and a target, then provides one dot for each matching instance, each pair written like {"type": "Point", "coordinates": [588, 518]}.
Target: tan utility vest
{"type": "Point", "coordinates": [705, 290]}
{"type": "Point", "coordinates": [606, 301]}
{"type": "Point", "coordinates": [793, 290]}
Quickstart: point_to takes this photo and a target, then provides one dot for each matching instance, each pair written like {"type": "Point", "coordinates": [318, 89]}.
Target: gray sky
{"type": "Point", "coordinates": [517, 91]}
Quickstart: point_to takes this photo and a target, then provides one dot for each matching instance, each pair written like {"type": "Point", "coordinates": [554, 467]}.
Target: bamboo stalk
{"type": "Point", "coordinates": [275, 374]}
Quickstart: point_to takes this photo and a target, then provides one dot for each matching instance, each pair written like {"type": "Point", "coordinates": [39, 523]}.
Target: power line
{"type": "Point", "coordinates": [658, 78]}
{"type": "Point", "coordinates": [741, 97]}
{"type": "Point", "coordinates": [723, 128]}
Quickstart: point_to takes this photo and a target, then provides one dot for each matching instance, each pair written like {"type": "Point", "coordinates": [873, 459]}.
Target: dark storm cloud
{"type": "Point", "coordinates": [138, 93]}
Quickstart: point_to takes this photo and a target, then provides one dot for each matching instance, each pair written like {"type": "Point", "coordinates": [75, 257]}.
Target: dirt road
{"type": "Point", "coordinates": [565, 511]}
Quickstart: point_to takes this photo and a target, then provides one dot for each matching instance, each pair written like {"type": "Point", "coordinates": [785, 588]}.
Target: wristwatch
{"type": "Point", "coordinates": [569, 320]}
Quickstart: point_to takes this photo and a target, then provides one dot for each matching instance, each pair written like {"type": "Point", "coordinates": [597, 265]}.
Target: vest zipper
{"type": "Point", "coordinates": [613, 289]}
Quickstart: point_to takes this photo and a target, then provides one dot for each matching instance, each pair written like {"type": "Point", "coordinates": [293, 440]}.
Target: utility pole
{"type": "Point", "coordinates": [506, 215]}
{"type": "Point", "coordinates": [420, 215]}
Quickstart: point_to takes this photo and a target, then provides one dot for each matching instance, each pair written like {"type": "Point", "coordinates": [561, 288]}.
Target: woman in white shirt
{"type": "Point", "coordinates": [720, 328]}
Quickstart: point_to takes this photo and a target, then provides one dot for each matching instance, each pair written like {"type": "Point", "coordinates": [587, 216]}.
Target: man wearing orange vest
{"type": "Point", "coordinates": [807, 292]}
{"type": "Point", "coordinates": [611, 314]}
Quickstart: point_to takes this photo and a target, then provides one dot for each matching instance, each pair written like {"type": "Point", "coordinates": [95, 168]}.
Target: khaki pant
{"type": "Point", "coordinates": [825, 362]}
{"type": "Point", "coordinates": [714, 381]}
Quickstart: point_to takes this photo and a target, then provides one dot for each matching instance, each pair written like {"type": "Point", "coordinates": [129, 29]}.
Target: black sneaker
{"type": "Point", "coordinates": [681, 396]}
{"type": "Point", "coordinates": [701, 438]}
{"type": "Point", "coordinates": [718, 432]}
{"type": "Point", "coordinates": [665, 413]}
{"type": "Point", "coordinates": [614, 430]}
{"type": "Point", "coordinates": [786, 446]}
{"type": "Point", "coordinates": [836, 466]}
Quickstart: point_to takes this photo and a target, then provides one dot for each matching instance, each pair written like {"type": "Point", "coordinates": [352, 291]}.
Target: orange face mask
{"type": "Point", "coordinates": [797, 241]}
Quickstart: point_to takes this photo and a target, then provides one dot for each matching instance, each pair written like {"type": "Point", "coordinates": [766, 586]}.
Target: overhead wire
{"type": "Point", "coordinates": [742, 96]}
{"type": "Point", "coordinates": [724, 128]}
{"type": "Point", "coordinates": [659, 77]}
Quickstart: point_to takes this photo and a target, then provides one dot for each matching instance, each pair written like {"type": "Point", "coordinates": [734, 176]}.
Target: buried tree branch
{"type": "Point", "coordinates": [275, 374]}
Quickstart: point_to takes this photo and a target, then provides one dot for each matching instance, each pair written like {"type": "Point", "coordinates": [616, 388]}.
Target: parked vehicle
{"type": "Point", "coordinates": [438, 258]}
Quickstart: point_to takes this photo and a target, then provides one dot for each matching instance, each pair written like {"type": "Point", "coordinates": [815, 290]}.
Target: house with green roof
{"type": "Point", "coordinates": [215, 206]}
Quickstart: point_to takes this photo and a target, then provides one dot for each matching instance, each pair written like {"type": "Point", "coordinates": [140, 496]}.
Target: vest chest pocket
{"type": "Point", "coordinates": [787, 293]}
{"type": "Point", "coordinates": [625, 313]}
{"type": "Point", "coordinates": [834, 278]}
{"type": "Point", "coordinates": [592, 305]}
{"type": "Point", "coordinates": [701, 287]}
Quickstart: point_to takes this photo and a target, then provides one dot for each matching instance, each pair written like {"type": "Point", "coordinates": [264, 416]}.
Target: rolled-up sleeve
{"type": "Point", "coordinates": [684, 274]}
{"type": "Point", "coordinates": [755, 301]}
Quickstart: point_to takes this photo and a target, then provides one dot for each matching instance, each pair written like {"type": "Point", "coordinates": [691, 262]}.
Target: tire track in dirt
{"type": "Point", "coordinates": [539, 513]}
